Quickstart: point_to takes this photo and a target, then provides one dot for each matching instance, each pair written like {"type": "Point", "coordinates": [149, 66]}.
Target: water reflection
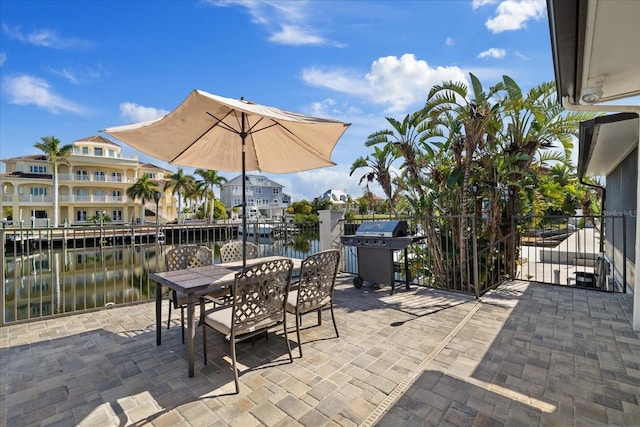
{"type": "Point", "coordinates": [57, 281]}
{"type": "Point", "coordinates": [61, 281]}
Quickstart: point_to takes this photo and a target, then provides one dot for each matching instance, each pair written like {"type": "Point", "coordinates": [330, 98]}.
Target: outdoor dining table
{"type": "Point", "coordinates": [198, 281]}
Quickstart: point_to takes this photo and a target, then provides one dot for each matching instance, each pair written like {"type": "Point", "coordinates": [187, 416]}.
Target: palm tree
{"type": "Point", "coordinates": [474, 121]}
{"type": "Point", "coordinates": [50, 146]}
{"type": "Point", "coordinates": [211, 180]}
{"type": "Point", "coordinates": [378, 165]}
{"type": "Point", "coordinates": [405, 139]}
{"type": "Point", "coordinates": [142, 189]}
{"type": "Point", "coordinates": [179, 184]}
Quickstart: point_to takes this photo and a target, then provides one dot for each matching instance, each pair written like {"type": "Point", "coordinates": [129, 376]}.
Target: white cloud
{"type": "Point", "coordinates": [289, 23]}
{"type": "Point", "coordinates": [479, 3]}
{"type": "Point", "coordinates": [78, 76]}
{"type": "Point", "coordinates": [67, 74]}
{"type": "Point", "coordinates": [45, 38]}
{"type": "Point", "coordinates": [450, 41]}
{"type": "Point", "coordinates": [294, 35]}
{"type": "Point", "coordinates": [29, 90]}
{"type": "Point", "coordinates": [392, 81]}
{"type": "Point", "coordinates": [139, 113]}
{"type": "Point", "coordinates": [3, 58]}
{"type": "Point", "coordinates": [493, 53]}
{"type": "Point", "coordinates": [521, 55]}
{"type": "Point", "coordinates": [514, 14]}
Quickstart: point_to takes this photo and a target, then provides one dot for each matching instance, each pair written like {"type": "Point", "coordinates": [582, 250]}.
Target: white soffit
{"type": "Point", "coordinates": [612, 48]}
{"type": "Point", "coordinates": [613, 143]}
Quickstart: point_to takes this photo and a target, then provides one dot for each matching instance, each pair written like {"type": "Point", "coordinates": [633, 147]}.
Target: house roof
{"type": "Point", "coordinates": [152, 166]}
{"type": "Point", "coordinates": [99, 139]}
{"type": "Point", "coordinates": [595, 49]}
{"type": "Point", "coordinates": [37, 157]}
{"type": "Point", "coordinates": [251, 180]}
{"type": "Point", "coordinates": [596, 57]}
{"type": "Point", "coordinates": [335, 196]}
{"type": "Point", "coordinates": [25, 175]}
{"type": "Point", "coordinates": [605, 141]}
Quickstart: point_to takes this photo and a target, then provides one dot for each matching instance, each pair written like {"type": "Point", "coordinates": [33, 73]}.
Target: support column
{"type": "Point", "coordinates": [636, 276]}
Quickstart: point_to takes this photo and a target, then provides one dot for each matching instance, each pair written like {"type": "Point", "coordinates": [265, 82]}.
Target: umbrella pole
{"type": "Point", "coordinates": [243, 135]}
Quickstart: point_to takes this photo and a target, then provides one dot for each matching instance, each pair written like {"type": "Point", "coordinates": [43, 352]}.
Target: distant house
{"type": "Point", "coordinates": [265, 197]}
{"type": "Point", "coordinates": [93, 181]}
{"type": "Point", "coordinates": [335, 196]}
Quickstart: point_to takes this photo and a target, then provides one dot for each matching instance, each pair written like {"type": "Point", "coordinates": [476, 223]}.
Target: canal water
{"type": "Point", "coordinates": [56, 281]}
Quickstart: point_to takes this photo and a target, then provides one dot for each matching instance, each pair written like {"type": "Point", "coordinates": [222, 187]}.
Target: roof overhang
{"type": "Point", "coordinates": [605, 141]}
{"type": "Point", "coordinates": [596, 49]}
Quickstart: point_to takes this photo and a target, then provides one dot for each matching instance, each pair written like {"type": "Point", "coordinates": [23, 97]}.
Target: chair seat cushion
{"type": "Point", "coordinates": [292, 301]}
{"type": "Point", "coordinates": [220, 320]}
{"type": "Point", "coordinates": [180, 300]}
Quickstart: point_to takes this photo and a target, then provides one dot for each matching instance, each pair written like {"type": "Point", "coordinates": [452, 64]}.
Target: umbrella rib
{"type": "Point", "coordinates": [308, 147]}
{"type": "Point", "coordinates": [224, 125]}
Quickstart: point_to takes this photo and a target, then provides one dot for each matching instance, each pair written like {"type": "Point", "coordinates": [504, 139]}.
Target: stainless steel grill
{"type": "Point", "coordinates": [376, 242]}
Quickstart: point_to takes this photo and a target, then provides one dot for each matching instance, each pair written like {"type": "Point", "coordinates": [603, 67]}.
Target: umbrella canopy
{"type": "Point", "coordinates": [212, 132]}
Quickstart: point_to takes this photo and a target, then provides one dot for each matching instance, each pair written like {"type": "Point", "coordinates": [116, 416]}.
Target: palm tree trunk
{"type": "Point", "coordinates": [56, 202]}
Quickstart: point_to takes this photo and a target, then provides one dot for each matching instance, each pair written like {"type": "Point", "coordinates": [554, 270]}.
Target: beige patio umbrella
{"type": "Point", "coordinates": [212, 132]}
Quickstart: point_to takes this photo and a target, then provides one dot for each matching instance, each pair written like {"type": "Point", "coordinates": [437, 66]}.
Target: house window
{"type": "Point", "coordinates": [97, 151]}
{"type": "Point", "coordinates": [82, 175]}
{"type": "Point", "coordinates": [85, 150]}
{"type": "Point", "coordinates": [275, 201]}
{"type": "Point", "coordinates": [98, 176]}
{"type": "Point", "coordinates": [112, 153]}
{"type": "Point", "coordinates": [116, 215]}
{"type": "Point", "coordinates": [81, 215]}
{"type": "Point", "coordinates": [38, 191]}
{"type": "Point", "coordinates": [116, 176]}
{"type": "Point", "coordinates": [237, 201]}
{"type": "Point", "coordinates": [37, 169]}
{"type": "Point", "coordinates": [257, 190]}
{"type": "Point", "coordinates": [39, 214]}
{"type": "Point", "coordinates": [276, 191]}
{"type": "Point", "coordinates": [151, 175]}
{"type": "Point", "coordinates": [82, 195]}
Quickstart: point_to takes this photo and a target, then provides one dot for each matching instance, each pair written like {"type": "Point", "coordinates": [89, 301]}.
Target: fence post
{"type": "Point", "coordinates": [512, 272]}
{"type": "Point", "coordinates": [624, 254]}
{"type": "Point", "coordinates": [4, 282]}
{"type": "Point", "coordinates": [476, 279]}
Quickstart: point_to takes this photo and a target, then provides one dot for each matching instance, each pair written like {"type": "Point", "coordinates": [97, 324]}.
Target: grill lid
{"type": "Point", "coordinates": [382, 229]}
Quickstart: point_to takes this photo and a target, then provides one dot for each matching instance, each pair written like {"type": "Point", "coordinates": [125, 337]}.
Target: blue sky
{"type": "Point", "coordinates": [71, 68]}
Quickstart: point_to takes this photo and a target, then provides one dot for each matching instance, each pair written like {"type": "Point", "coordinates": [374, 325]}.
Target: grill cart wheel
{"type": "Point", "coordinates": [357, 282]}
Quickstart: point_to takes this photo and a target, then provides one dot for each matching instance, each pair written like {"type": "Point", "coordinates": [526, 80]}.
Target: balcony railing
{"type": "Point", "coordinates": [28, 198]}
{"type": "Point", "coordinates": [94, 178]}
{"type": "Point", "coordinates": [95, 199]}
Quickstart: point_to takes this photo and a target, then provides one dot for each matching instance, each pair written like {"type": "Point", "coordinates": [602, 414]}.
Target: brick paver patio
{"type": "Point", "coordinates": [524, 354]}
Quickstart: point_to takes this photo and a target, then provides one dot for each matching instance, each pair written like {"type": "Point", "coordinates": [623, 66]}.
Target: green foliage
{"type": "Point", "coordinates": [302, 207]}
{"type": "Point", "coordinates": [512, 147]}
{"type": "Point", "coordinates": [363, 206]}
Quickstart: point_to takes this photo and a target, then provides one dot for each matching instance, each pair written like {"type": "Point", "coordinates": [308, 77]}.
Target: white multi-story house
{"type": "Point", "coordinates": [265, 197]}
{"type": "Point", "coordinates": [337, 197]}
{"type": "Point", "coordinates": [92, 181]}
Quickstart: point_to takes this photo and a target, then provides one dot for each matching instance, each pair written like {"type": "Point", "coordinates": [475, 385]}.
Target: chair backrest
{"type": "Point", "coordinates": [260, 295]}
{"type": "Point", "coordinates": [317, 279]}
{"type": "Point", "coordinates": [188, 256]}
{"type": "Point", "coordinates": [232, 251]}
